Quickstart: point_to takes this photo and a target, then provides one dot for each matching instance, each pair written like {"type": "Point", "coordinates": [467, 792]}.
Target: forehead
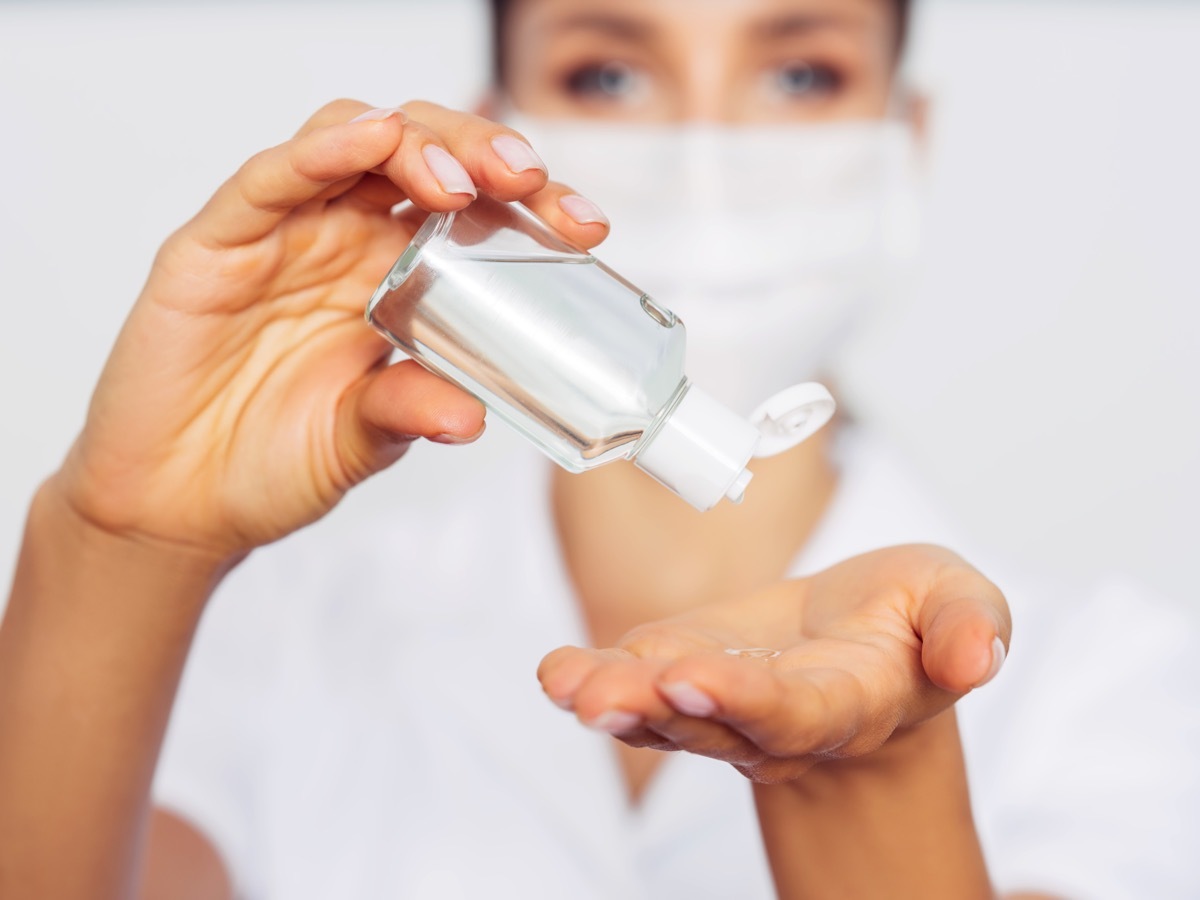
{"type": "Point", "coordinates": [651, 19]}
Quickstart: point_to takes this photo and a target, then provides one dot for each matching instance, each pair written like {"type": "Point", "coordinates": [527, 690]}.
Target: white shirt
{"type": "Point", "coordinates": [363, 721]}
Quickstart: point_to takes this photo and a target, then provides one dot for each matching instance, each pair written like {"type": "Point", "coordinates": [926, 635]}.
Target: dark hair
{"type": "Point", "coordinates": [500, 10]}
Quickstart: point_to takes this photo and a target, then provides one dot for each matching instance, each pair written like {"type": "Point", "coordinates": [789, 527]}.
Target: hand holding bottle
{"type": "Point", "coordinates": [245, 395]}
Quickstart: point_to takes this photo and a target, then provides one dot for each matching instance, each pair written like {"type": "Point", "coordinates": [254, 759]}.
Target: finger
{"type": "Point", "coordinates": [377, 188]}
{"type": "Point", "coordinates": [334, 113]}
{"type": "Point", "coordinates": [644, 739]}
{"type": "Point", "coordinates": [503, 164]}
{"type": "Point", "coordinates": [422, 169]}
{"type": "Point", "coordinates": [668, 642]}
{"type": "Point", "coordinates": [395, 405]}
{"type": "Point", "coordinates": [431, 165]}
{"type": "Point", "coordinates": [704, 737]}
{"type": "Point", "coordinates": [374, 193]}
{"type": "Point", "coordinates": [965, 628]}
{"type": "Point", "coordinates": [785, 713]}
{"type": "Point", "coordinates": [613, 689]}
{"type": "Point", "coordinates": [498, 160]}
{"type": "Point", "coordinates": [273, 183]}
{"type": "Point", "coordinates": [427, 172]}
{"type": "Point", "coordinates": [562, 671]}
{"type": "Point", "coordinates": [571, 214]}
{"type": "Point", "coordinates": [617, 695]}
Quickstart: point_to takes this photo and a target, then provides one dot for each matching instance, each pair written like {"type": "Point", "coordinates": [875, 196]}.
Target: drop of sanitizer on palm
{"type": "Point", "coordinates": [577, 359]}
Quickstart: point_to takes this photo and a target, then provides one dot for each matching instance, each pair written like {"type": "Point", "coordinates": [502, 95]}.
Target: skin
{"type": "Point", "coordinates": [756, 62]}
{"type": "Point", "coordinates": [762, 61]}
{"type": "Point", "coordinates": [244, 397]}
{"type": "Point", "coordinates": [848, 735]}
{"type": "Point", "coordinates": [768, 61]}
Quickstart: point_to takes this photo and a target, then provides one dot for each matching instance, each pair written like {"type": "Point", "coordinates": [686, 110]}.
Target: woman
{"type": "Point", "coordinates": [362, 723]}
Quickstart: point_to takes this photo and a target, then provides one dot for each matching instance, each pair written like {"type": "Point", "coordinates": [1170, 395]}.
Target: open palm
{"type": "Point", "coordinates": [873, 646]}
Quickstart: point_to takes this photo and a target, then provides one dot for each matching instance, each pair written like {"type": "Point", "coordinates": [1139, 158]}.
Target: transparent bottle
{"type": "Point", "coordinates": [563, 349]}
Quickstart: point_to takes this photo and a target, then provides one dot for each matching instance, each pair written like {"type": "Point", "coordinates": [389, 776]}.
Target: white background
{"type": "Point", "coordinates": [1044, 379]}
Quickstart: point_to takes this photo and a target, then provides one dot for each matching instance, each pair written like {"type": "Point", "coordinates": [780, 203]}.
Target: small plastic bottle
{"type": "Point", "coordinates": [572, 355]}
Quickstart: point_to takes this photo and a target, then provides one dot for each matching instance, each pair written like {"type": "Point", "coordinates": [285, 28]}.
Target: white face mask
{"type": "Point", "coordinates": [768, 242]}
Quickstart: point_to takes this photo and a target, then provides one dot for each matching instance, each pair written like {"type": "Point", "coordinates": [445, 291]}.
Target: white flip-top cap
{"type": "Point", "coordinates": [701, 450]}
{"type": "Point", "coordinates": [791, 416]}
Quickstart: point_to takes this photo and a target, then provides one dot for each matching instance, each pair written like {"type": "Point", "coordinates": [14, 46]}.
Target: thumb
{"type": "Point", "coordinates": [965, 629]}
{"type": "Point", "coordinates": [386, 411]}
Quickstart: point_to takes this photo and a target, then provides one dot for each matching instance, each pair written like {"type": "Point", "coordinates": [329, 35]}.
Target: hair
{"type": "Point", "coordinates": [501, 9]}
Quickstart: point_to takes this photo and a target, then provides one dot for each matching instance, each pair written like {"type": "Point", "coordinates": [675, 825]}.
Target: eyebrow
{"type": "Point", "coordinates": [795, 24]}
{"type": "Point", "coordinates": [612, 25]}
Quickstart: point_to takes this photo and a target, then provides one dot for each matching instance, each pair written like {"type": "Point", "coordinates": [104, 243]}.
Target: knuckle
{"type": "Point", "coordinates": [176, 253]}
{"type": "Point", "coordinates": [340, 106]}
{"type": "Point", "coordinates": [419, 108]}
{"type": "Point", "coordinates": [255, 164]}
{"type": "Point", "coordinates": [251, 178]}
{"type": "Point", "coordinates": [928, 550]}
{"type": "Point", "coordinates": [419, 134]}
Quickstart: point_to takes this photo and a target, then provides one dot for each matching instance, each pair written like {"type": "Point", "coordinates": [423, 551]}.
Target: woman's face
{"type": "Point", "coordinates": [733, 61]}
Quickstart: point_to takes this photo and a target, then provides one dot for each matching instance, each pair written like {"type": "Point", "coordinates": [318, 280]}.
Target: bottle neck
{"type": "Point", "coordinates": [699, 450]}
{"type": "Point", "coordinates": [668, 410]}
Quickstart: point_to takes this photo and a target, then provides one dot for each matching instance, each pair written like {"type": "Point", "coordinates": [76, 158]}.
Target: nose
{"type": "Point", "coordinates": [704, 67]}
{"type": "Point", "coordinates": [705, 93]}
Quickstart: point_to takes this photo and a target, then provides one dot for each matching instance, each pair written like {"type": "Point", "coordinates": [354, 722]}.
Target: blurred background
{"type": "Point", "coordinates": [1043, 379]}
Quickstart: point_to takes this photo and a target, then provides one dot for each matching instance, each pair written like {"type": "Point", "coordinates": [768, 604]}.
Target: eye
{"type": "Point", "coordinates": [605, 81]}
{"type": "Point", "coordinates": [802, 80]}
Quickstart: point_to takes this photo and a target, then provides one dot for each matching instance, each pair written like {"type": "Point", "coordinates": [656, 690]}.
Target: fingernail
{"type": "Point", "coordinates": [564, 703]}
{"type": "Point", "coordinates": [517, 154]}
{"type": "Point", "coordinates": [458, 438]}
{"type": "Point", "coordinates": [378, 115]}
{"type": "Point", "coordinates": [448, 171]}
{"type": "Point", "coordinates": [688, 699]}
{"type": "Point", "coordinates": [615, 721]}
{"type": "Point", "coordinates": [582, 210]}
{"type": "Point", "coordinates": [998, 655]}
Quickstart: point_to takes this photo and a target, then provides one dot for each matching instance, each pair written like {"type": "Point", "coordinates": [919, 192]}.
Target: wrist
{"type": "Point", "coordinates": [93, 641]}
{"type": "Point", "coordinates": [84, 548]}
{"type": "Point", "coordinates": [68, 513]}
{"type": "Point", "coordinates": [914, 754]}
{"type": "Point", "coordinates": [906, 807]}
